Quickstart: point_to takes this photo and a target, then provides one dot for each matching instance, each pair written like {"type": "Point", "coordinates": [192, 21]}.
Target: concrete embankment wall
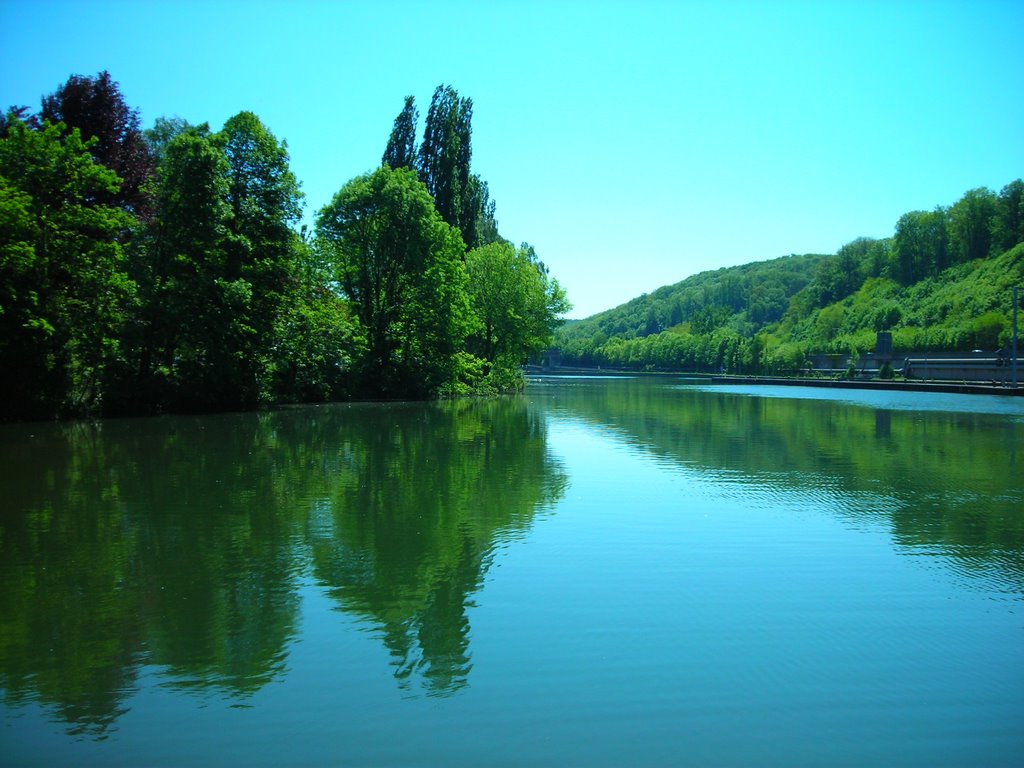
{"type": "Point", "coordinates": [966, 388]}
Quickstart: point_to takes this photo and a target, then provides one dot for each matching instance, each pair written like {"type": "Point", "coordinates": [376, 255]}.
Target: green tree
{"type": "Point", "coordinates": [970, 225]}
{"type": "Point", "coordinates": [160, 135]}
{"type": "Point", "coordinates": [877, 258]}
{"type": "Point", "coordinates": [220, 273]}
{"type": "Point", "coordinates": [401, 266]}
{"type": "Point", "coordinates": [18, 114]}
{"type": "Point", "coordinates": [652, 324]}
{"type": "Point", "coordinates": [316, 340]}
{"type": "Point", "coordinates": [64, 289]}
{"type": "Point", "coordinates": [829, 321]}
{"type": "Point", "coordinates": [1008, 226]}
{"type": "Point", "coordinates": [709, 318]}
{"type": "Point", "coordinates": [444, 160]}
{"type": "Point", "coordinates": [920, 245]}
{"type": "Point", "coordinates": [518, 304]}
{"type": "Point", "coordinates": [188, 307]}
{"type": "Point", "coordinates": [485, 228]}
{"type": "Point", "coordinates": [675, 314]}
{"type": "Point", "coordinates": [96, 107]}
{"type": "Point", "coordinates": [265, 203]}
{"type": "Point", "coordinates": [401, 149]}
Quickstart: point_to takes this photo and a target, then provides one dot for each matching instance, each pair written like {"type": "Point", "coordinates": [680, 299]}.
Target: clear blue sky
{"type": "Point", "coordinates": [632, 143]}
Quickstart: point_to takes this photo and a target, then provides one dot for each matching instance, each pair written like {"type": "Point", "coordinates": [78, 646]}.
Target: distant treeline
{"type": "Point", "coordinates": [165, 269]}
{"type": "Point", "coordinates": [942, 282]}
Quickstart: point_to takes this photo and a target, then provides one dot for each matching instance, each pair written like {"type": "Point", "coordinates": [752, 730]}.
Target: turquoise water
{"type": "Point", "coordinates": [601, 572]}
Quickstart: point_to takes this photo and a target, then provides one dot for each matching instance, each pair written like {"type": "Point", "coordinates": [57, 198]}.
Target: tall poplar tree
{"type": "Point", "coordinates": [401, 148]}
{"type": "Point", "coordinates": [444, 160]}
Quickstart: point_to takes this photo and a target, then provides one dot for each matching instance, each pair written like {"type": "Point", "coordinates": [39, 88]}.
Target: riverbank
{"type": "Point", "coordinates": [954, 387]}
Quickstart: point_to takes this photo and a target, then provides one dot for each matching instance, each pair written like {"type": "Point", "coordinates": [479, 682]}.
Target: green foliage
{"type": "Point", "coordinates": [754, 293]}
{"type": "Point", "coordinates": [401, 267]}
{"type": "Point", "coordinates": [708, 320]}
{"type": "Point", "coordinates": [722, 350]}
{"type": "Point", "coordinates": [444, 159]}
{"type": "Point", "coordinates": [827, 323]}
{"type": "Point", "coordinates": [506, 375]}
{"type": "Point", "coordinates": [64, 287]}
{"type": "Point", "coordinates": [443, 162]}
{"type": "Point", "coordinates": [183, 285]}
{"type": "Point", "coordinates": [1008, 223]}
{"type": "Point", "coordinates": [160, 135]}
{"type": "Point", "coordinates": [96, 107]}
{"type": "Point", "coordinates": [485, 225]}
{"type": "Point", "coordinates": [477, 377]}
{"type": "Point", "coordinates": [516, 302]}
{"type": "Point", "coordinates": [261, 253]}
{"type": "Point", "coordinates": [190, 327]}
{"type": "Point", "coordinates": [920, 246]}
{"type": "Point", "coordinates": [401, 149]}
{"type": "Point", "coordinates": [971, 225]}
{"type": "Point", "coordinates": [316, 340]}
{"type": "Point", "coordinates": [965, 307]}
{"type": "Point", "coordinates": [941, 283]}
{"type": "Point", "coordinates": [838, 276]}
{"type": "Point", "coordinates": [234, 313]}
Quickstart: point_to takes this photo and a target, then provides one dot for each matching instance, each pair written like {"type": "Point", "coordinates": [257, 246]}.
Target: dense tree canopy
{"type": "Point", "coordinates": [516, 302]}
{"type": "Point", "coordinates": [189, 307]}
{"type": "Point", "coordinates": [95, 106]}
{"type": "Point", "coordinates": [942, 282]}
{"type": "Point", "coordinates": [970, 225]}
{"type": "Point", "coordinates": [64, 287]}
{"type": "Point", "coordinates": [166, 269]}
{"type": "Point", "coordinates": [1008, 223]}
{"type": "Point", "coordinates": [444, 163]}
{"type": "Point", "coordinates": [216, 268]}
{"type": "Point", "coordinates": [401, 266]}
{"type": "Point", "coordinates": [159, 136]}
{"type": "Point", "coordinates": [265, 203]}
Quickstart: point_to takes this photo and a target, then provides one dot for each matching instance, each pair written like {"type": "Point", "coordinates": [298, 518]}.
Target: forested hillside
{"type": "Point", "coordinates": [165, 269]}
{"type": "Point", "coordinates": [942, 282]}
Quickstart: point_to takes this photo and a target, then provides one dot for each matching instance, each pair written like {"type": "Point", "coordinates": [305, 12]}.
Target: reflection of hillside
{"type": "Point", "coordinates": [179, 542]}
{"type": "Point", "coordinates": [945, 481]}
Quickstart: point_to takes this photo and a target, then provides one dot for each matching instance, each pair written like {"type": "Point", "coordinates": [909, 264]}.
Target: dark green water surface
{"type": "Point", "coordinates": [599, 572]}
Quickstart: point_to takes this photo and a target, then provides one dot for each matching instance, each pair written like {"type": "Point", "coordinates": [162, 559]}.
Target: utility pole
{"type": "Point", "coordinates": [1015, 290]}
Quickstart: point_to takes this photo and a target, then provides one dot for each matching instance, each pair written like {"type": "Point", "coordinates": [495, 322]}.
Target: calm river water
{"type": "Point", "coordinates": [599, 572]}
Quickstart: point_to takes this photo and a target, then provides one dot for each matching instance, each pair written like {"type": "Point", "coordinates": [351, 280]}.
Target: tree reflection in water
{"type": "Point", "coordinates": [181, 543]}
{"type": "Point", "coordinates": [946, 481]}
{"type": "Point", "coordinates": [422, 496]}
